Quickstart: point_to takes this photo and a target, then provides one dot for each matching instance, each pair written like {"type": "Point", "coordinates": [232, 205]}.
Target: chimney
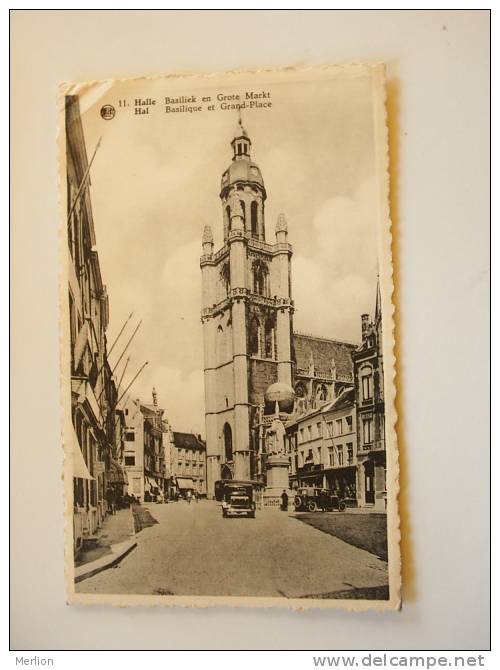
{"type": "Point", "coordinates": [364, 326]}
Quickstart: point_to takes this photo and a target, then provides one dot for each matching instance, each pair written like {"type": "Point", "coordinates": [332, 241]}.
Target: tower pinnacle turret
{"type": "Point", "coordinates": [281, 228]}
{"type": "Point", "coordinates": [241, 143]}
{"type": "Point", "coordinates": [244, 179]}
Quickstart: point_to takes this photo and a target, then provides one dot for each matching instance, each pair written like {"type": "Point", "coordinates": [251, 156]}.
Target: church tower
{"type": "Point", "coordinates": [246, 315]}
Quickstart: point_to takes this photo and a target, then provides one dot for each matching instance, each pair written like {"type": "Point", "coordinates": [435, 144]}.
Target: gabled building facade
{"type": "Point", "coordinates": [323, 446]}
{"type": "Point", "coordinates": [370, 425]}
{"type": "Point", "coordinates": [93, 391]}
{"type": "Point", "coordinates": [188, 463]}
{"type": "Point", "coordinates": [133, 447]}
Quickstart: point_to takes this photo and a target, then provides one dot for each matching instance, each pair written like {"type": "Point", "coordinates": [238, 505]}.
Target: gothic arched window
{"type": "Point", "coordinates": [269, 339]}
{"type": "Point", "coordinates": [253, 217]}
{"type": "Point", "coordinates": [228, 214]}
{"type": "Point", "coordinates": [300, 390]}
{"type": "Point", "coordinates": [254, 343]}
{"type": "Point", "coordinates": [242, 203]}
{"type": "Point", "coordinates": [228, 442]}
{"type": "Point", "coordinates": [225, 274]}
{"type": "Point", "coordinates": [260, 278]}
{"type": "Point", "coordinates": [321, 392]}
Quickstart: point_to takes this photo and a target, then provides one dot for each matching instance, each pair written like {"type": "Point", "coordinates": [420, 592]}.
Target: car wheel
{"type": "Point", "coordinates": [297, 502]}
{"type": "Point", "coordinates": [312, 506]}
{"type": "Point", "coordinates": [224, 514]}
{"type": "Point", "coordinates": [342, 506]}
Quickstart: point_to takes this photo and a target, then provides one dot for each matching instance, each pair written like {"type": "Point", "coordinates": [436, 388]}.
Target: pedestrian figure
{"type": "Point", "coordinates": [323, 500]}
{"type": "Point", "coordinates": [188, 497]}
{"type": "Point", "coordinates": [284, 501]}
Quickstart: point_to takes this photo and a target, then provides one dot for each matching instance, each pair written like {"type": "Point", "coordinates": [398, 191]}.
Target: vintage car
{"type": "Point", "coordinates": [238, 499]}
{"type": "Point", "coordinates": [310, 499]}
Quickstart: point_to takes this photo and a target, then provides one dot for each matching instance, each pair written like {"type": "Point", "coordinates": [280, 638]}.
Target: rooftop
{"type": "Point", "coordinates": [188, 441]}
{"type": "Point", "coordinates": [325, 353]}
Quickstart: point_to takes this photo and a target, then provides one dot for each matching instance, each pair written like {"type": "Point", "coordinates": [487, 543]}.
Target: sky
{"type": "Point", "coordinates": [155, 184]}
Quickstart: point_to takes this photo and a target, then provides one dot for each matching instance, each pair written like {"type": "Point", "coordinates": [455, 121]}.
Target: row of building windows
{"type": "Point", "coordinates": [337, 456]}
{"type": "Point", "coordinates": [189, 454]}
{"type": "Point", "coordinates": [190, 467]}
{"type": "Point", "coordinates": [331, 429]}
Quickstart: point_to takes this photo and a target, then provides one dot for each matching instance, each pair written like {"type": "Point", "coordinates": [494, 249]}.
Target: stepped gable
{"type": "Point", "coordinates": [323, 351]}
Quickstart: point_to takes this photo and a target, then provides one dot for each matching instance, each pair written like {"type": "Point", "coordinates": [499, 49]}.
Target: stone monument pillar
{"type": "Point", "coordinates": [277, 459]}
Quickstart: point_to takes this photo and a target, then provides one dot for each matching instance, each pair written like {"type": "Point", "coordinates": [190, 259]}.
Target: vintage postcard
{"type": "Point", "coordinates": [227, 341]}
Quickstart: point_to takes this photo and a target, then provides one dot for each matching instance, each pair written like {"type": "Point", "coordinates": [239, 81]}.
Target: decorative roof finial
{"type": "Point", "coordinates": [240, 130]}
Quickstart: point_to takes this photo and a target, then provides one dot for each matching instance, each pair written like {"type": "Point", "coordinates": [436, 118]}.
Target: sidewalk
{"type": "Point", "coordinates": [116, 539]}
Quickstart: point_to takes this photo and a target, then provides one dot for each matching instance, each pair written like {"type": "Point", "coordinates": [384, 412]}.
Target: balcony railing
{"type": "Point", "coordinates": [324, 374]}
{"type": "Point", "coordinates": [244, 293]}
{"type": "Point", "coordinates": [375, 445]}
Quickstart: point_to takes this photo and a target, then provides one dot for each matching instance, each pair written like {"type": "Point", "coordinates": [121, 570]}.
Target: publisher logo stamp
{"type": "Point", "coordinates": [108, 112]}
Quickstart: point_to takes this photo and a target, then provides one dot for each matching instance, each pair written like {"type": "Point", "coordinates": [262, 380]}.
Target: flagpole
{"type": "Point", "coordinates": [119, 334]}
{"type": "Point", "coordinates": [127, 346]}
{"type": "Point", "coordinates": [133, 380]}
{"type": "Point", "coordinates": [123, 375]}
{"type": "Point", "coordinates": [82, 183]}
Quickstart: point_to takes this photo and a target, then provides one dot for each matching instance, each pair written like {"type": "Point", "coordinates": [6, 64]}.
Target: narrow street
{"type": "Point", "coordinates": [192, 550]}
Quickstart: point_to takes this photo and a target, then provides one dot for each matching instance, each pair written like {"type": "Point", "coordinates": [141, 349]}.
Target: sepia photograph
{"type": "Point", "coordinates": [227, 340]}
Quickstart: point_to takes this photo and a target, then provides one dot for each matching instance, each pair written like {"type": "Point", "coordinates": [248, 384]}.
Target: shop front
{"type": "Point", "coordinates": [117, 480]}
{"type": "Point", "coordinates": [372, 481]}
{"type": "Point", "coordinates": [185, 484]}
{"type": "Point", "coordinates": [342, 482]}
{"type": "Point", "coordinates": [83, 524]}
{"type": "Point", "coordinates": [310, 475]}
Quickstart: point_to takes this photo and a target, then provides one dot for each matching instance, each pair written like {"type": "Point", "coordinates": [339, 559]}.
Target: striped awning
{"type": "Point", "coordinates": [185, 483]}
{"type": "Point", "coordinates": [117, 473]}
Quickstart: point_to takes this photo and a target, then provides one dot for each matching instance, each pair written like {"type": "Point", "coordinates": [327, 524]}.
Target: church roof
{"type": "Point", "coordinates": [323, 352]}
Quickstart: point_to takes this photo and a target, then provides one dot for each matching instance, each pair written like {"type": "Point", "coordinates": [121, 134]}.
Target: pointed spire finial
{"type": "Point", "coordinates": [281, 224]}
{"type": "Point", "coordinates": [378, 302]}
{"type": "Point", "coordinates": [208, 237]}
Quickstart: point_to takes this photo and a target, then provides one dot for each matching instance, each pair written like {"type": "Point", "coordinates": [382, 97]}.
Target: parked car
{"type": "Point", "coordinates": [311, 499]}
{"type": "Point", "coordinates": [238, 499]}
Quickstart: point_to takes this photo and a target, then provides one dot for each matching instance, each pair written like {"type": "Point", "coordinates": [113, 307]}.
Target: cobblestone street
{"type": "Point", "coordinates": [192, 550]}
